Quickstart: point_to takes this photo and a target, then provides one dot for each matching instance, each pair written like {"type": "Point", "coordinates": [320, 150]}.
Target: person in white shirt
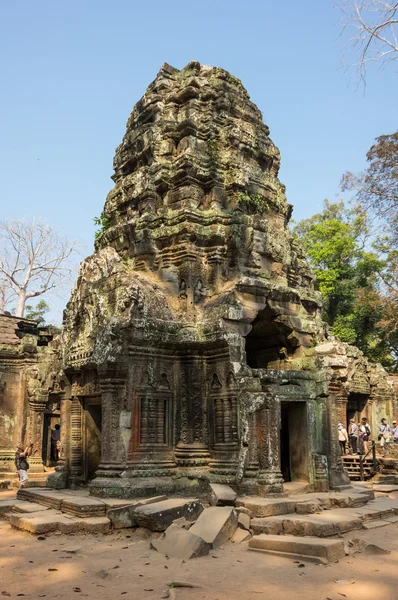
{"type": "Point", "coordinates": [343, 438]}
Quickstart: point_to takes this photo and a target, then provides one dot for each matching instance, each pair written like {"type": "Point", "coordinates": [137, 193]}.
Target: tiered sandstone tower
{"type": "Point", "coordinates": [189, 338]}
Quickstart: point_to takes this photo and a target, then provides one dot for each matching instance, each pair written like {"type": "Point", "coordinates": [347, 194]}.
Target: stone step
{"type": "Point", "coordinates": [49, 521]}
{"type": "Point", "coordinates": [302, 548]}
{"type": "Point", "coordinates": [305, 503]}
{"type": "Point", "coordinates": [32, 483]}
{"type": "Point", "coordinates": [328, 522]}
{"type": "Point", "coordinates": [65, 501]}
{"type": "Point", "coordinates": [32, 475]}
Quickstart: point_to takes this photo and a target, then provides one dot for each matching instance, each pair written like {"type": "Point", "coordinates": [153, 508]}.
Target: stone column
{"type": "Point", "coordinates": [35, 431]}
{"type": "Point", "coordinates": [76, 442]}
{"type": "Point", "coordinates": [268, 439]}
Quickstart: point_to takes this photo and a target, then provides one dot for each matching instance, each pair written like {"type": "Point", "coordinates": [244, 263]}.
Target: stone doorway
{"type": "Point", "coordinates": [92, 426]}
{"type": "Point", "coordinates": [50, 420]}
{"type": "Point", "coordinates": [294, 441]}
{"type": "Point", "coordinates": [356, 404]}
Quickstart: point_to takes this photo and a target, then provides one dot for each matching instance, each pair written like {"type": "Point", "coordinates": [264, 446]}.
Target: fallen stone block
{"type": "Point", "coordinates": [216, 525]}
{"type": "Point", "coordinates": [182, 522]}
{"type": "Point", "coordinates": [121, 513]}
{"type": "Point", "coordinates": [180, 543]}
{"type": "Point", "coordinates": [244, 510]}
{"type": "Point", "coordinates": [240, 536]}
{"type": "Point", "coordinates": [122, 516]}
{"type": "Point", "coordinates": [244, 521]}
{"type": "Point", "coordinates": [308, 548]}
{"type": "Point", "coordinates": [359, 546]}
{"type": "Point", "coordinates": [160, 515]}
{"type": "Point", "coordinates": [222, 495]}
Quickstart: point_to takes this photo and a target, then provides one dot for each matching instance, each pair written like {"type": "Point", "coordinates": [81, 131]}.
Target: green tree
{"type": "Point", "coordinates": [350, 271]}
{"type": "Point", "coordinates": [36, 313]}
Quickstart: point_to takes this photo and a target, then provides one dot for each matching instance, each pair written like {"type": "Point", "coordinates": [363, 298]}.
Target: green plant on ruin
{"type": "Point", "coordinates": [253, 203]}
{"type": "Point", "coordinates": [212, 149]}
{"type": "Point", "coordinates": [103, 222]}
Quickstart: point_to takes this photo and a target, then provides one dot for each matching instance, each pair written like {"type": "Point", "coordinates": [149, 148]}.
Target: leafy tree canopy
{"type": "Point", "coordinates": [36, 313]}
{"type": "Point", "coordinates": [352, 273]}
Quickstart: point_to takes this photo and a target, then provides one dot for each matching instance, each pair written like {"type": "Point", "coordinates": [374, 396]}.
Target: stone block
{"type": "Point", "coordinates": [267, 507]}
{"type": "Point", "coordinates": [243, 510]}
{"type": "Point", "coordinates": [122, 516]}
{"type": "Point", "coordinates": [240, 536]}
{"type": "Point", "coordinates": [308, 548]}
{"type": "Point", "coordinates": [305, 508]}
{"type": "Point", "coordinates": [79, 506]}
{"type": "Point", "coordinates": [180, 543]}
{"type": "Point", "coordinates": [266, 525]}
{"type": "Point", "coordinates": [160, 515]}
{"type": "Point", "coordinates": [222, 495]}
{"type": "Point", "coordinates": [244, 521]}
{"type": "Point", "coordinates": [216, 525]}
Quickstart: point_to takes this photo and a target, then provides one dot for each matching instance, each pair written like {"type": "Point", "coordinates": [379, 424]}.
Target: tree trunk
{"type": "Point", "coordinates": [21, 303]}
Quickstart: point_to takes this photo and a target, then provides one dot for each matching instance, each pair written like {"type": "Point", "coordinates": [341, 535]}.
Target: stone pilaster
{"type": "Point", "coordinates": [76, 446]}
{"type": "Point", "coordinates": [268, 433]}
{"type": "Point", "coordinates": [113, 453]}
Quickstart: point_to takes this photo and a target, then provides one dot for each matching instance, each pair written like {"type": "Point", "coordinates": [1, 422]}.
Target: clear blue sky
{"type": "Point", "coordinates": [72, 71]}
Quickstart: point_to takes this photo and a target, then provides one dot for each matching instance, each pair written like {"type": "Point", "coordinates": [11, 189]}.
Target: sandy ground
{"type": "Point", "coordinates": [37, 568]}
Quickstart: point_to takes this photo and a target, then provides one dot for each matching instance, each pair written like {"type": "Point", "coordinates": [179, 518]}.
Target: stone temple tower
{"type": "Point", "coordinates": [189, 337]}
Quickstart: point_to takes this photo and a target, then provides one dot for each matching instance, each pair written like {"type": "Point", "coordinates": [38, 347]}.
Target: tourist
{"type": "Point", "coordinates": [21, 463]}
{"type": "Point", "coordinates": [394, 431]}
{"type": "Point", "coordinates": [343, 438]}
{"type": "Point", "coordinates": [364, 435]}
{"type": "Point", "coordinates": [384, 436]}
{"type": "Point", "coordinates": [353, 436]}
{"type": "Point", "coordinates": [56, 442]}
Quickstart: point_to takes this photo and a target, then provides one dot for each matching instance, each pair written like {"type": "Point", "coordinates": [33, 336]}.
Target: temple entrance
{"type": "Point", "coordinates": [92, 436]}
{"type": "Point", "coordinates": [294, 441]}
{"type": "Point", "coordinates": [355, 406]}
{"type": "Point", "coordinates": [51, 418]}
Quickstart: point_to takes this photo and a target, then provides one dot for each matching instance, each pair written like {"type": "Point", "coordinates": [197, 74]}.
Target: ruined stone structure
{"type": "Point", "coordinates": [193, 347]}
{"type": "Point", "coordinates": [29, 392]}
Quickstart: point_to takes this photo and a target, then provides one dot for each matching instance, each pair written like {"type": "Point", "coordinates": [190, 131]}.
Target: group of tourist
{"type": "Point", "coordinates": [355, 440]}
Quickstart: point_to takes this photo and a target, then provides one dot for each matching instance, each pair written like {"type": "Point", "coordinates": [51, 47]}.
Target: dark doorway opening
{"type": "Point", "coordinates": [268, 342]}
{"type": "Point", "coordinates": [294, 441]}
{"type": "Point", "coordinates": [355, 406]}
{"type": "Point", "coordinates": [50, 420]}
{"type": "Point", "coordinates": [92, 442]}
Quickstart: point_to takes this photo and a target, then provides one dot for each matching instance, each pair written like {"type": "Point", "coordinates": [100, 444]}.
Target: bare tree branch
{"type": "Point", "coordinates": [369, 29]}
{"type": "Point", "coordinates": [34, 259]}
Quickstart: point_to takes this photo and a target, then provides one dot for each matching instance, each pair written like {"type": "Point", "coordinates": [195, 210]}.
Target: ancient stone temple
{"type": "Point", "coordinates": [29, 393]}
{"type": "Point", "coordinates": [193, 344]}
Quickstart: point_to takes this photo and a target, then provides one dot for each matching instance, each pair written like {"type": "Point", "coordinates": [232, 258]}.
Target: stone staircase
{"type": "Point", "coordinates": [306, 526]}
{"type": "Point", "coordinates": [311, 526]}
{"type": "Point", "coordinates": [352, 467]}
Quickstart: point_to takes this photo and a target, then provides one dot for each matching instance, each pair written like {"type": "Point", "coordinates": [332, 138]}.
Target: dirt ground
{"type": "Point", "coordinates": [121, 564]}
